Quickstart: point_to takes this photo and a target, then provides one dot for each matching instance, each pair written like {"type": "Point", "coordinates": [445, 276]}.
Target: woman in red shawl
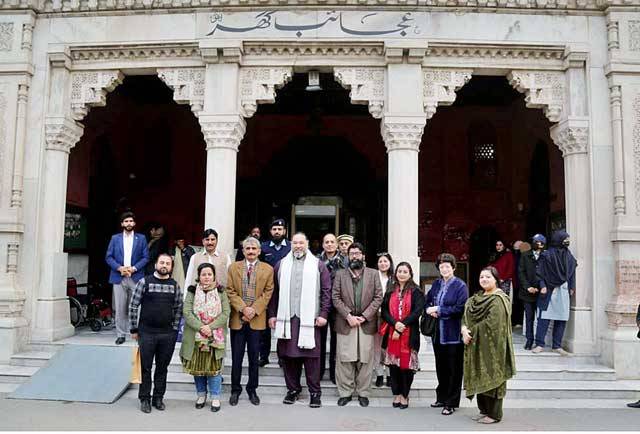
{"type": "Point", "coordinates": [401, 309]}
{"type": "Point", "coordinates": [504, 261]}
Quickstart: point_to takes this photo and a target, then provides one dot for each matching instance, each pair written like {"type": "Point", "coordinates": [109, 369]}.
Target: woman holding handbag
{"type": "Point", "coordinates": [206, 313]}
{"type": "Point", "coordinates": [445, 302]}
{"type": "Point", "coordinates": [401, 309]}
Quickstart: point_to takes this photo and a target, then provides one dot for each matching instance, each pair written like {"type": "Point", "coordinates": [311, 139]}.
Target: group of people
{"type": "Point", "coordinates": [373, 317]}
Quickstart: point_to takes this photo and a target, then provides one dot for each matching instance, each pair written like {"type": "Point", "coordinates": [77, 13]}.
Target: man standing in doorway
{"type": "Point", "coordinates": [212, 255]}
{"type": "Point", "coordinates": [181, 256]}
{"type": "Point", "coordinates": [161, 299]}
{"type": "Point", "coordinates": [249, 287]}
{"type": "Point", "coordinates": [333, 261]}
{"type": "Point", "coordinates": [529, 284]}
{"type": "Point", "coordinates": [298, 309]}
{"type": "Point", "coordinates": [255, 233]}
{"type": "Point", "coordinates": [127, 256]}
{"type": "Point", "coordinates": [344, 241]}
{"type": "Point", "coordinates": [272, 252]}
{"type": "Point", "coordinates": [357, 295]}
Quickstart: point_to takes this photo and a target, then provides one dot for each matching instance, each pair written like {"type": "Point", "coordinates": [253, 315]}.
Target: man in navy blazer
{"type": "Point", "coordinates": [127, 255]}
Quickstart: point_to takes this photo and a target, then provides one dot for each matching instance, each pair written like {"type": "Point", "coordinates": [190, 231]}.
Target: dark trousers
{"type": "Point", "coordinates": [265, 343]}
{"type": "Point", "coordinates": [159, 346]}
{"type": "Point", "coordinates": [292, 367]}
{"type": "Point", "coordinates": [401, 380]}
{"type": "Point", "coordinates": [241, 339]}
{"type": "Point", "coordinates": [529, 318]}
{"type": "Point", "coordinates": [449, 367]}
{"type": "Point", "coordinates": [490, 406]}
{"type": "Point", "coordinates": [558, 332]}
{"type": "Point", "coordinates": [324, 331]}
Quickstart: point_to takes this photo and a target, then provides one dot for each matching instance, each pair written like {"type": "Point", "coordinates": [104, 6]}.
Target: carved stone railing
{"type": "Point", "coordinates": [49, 6]}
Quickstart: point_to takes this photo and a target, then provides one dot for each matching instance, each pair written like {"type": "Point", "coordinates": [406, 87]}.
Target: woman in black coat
{"type": "Point", "coordinates": [401, 310]}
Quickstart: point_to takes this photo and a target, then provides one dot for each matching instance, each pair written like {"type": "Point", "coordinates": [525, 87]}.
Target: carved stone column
{"type": "Point", "coordinates": [402, 136]}
{"type": "Point", "coordinates": [223, 134]}
{"type": "Point", "coordinates": [52, 306]}
{"type": "Point", "coordinates": [572, 137]}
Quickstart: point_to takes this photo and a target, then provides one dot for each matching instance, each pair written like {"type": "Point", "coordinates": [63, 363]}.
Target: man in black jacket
{"type": "Point", "coordinates": [161, 300]}
{"type": "Point", "coordinates": [529, 285]}
{"type": "Point", "coordinates": [637, 403]}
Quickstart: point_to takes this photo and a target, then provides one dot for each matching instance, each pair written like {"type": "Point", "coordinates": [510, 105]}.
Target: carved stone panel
{"type": "Point", "coordinates": [90, 88]}
{"type": "Point", "coordinates": [634, 35]}
{"type": "Point", "coordinates": [258, 86]}
{"type": "Point", "coordinates": [542, 89]}
{"type": "Point", "coordinates": [440, 86]}
{"type": "Point", "coordinates": [187, 85]}
{"type": "Point", "coordinates": [571, 136]}
{"type": "Point", "coordinates": [6, 36]}
{"type": "Point", "coordinates": [366, 85]}
{"type": "Point", "coordinates": [3, 133]}
{"type": "Point", "coordinates": [61, 134]}
{"type": "Point", "coordinates": [636, 150]}
{"type": "Point", "coordinates": [402, 132]}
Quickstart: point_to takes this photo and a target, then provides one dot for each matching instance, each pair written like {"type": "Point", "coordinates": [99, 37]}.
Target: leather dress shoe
{"type": "Point", "coordinates": [344, 401]}
{"type": "Point", "coordinates": [158, 404]}
{"type": "Point", "coordinates": [314, 401]}
{"type": "Point", "coordinates": [364, 401]}
{"type": "Point", "coordinates": [263, 362]}
{"type": "Point", "coordinates": [120, 341]}
{"type": "Point", "coordinates": [379, 381]}
{"type": "Point", "coordinates": [145, 405]}
{"type": "Point", "coordinates": [528, 345]}
{"type": "Point", "coordinates": [253, 398]}
{"type": "Point", "coordinates": [233, 399]}
{"type": "Point", "coordinates": [634, 404]}
{"type": "Point", "coordinates": [291, 397]}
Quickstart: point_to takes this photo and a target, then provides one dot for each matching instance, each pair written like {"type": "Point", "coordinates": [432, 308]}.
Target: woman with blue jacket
{"type": "Point", "coordinates": [445, 301]}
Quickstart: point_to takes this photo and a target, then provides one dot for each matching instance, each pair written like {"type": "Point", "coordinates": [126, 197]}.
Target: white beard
{"type": "Point", "coordinates": [298, 255]}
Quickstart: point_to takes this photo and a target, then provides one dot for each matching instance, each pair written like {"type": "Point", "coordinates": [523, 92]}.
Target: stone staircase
{"type": "Point", "coordinates": [546, 377]}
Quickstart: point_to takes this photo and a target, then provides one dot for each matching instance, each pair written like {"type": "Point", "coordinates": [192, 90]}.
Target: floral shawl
{"type": "Point", "coordinates": [207, 306]}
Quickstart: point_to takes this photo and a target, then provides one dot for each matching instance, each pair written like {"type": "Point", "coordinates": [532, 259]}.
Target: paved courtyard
{"type": "Point", "coordinates": [181, 415]}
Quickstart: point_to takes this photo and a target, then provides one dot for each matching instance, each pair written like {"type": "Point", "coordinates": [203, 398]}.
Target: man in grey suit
{"type": "Point", "coordinates": [357, 295]}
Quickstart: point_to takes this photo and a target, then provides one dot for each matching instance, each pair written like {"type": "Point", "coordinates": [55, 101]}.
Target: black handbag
{"type": "Point", "coordinates": [428, 325]}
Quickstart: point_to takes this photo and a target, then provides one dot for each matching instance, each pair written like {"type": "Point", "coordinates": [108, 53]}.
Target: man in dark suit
{"type": "Point", "coordinates": [357, 296]}
{"type": "Point", "coordinates": [127, 256]}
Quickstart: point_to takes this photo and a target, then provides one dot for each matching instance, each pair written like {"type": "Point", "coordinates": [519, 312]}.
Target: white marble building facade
{"type": "Point", "coordinates": [577, 60]}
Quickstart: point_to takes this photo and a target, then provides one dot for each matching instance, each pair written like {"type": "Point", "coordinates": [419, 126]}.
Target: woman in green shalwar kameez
{"type": "Point", "coordinates": [489, 360]}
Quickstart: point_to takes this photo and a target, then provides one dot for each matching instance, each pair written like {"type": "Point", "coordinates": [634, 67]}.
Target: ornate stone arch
{"type": "Point", "coordinates": [187, 85]}
{"type": "Point", "coordinates": [90, 88]}
{"type": "Point", "coordinates": [258, 86]}
{"type": "Point", "coordinates": [440, 85]}
{"type": "Point", "coordinates": [542, 89]}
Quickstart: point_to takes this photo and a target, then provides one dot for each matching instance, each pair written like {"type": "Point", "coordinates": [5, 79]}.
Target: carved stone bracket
{"type": "Point", "coordinates": [366, 85]}
{"type": "Point", "coordinates": [440, 86]}
{"type": "Point", "coordinates": [187, 85]}
{"type": "Point", "coordinates": [258, 86]}
{"type": "Point", "coordinates": [223, 131]}
{"type": "Point", "coordinates": [571, 136]}
{"type": "Point", "coordinates": [402, 132]}
{"type": "Point", "coordinates": [12, 257]}
{"type": "Point", "coordinates": [61, 134]}
{"type": "Point", "coordinates": [542, 89]}
{"type": "Point", "coordinates": [90, 88]}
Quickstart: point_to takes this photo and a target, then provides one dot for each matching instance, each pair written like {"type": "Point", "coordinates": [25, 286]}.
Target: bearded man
{"type": "Point", "coordinates": [298, 310]}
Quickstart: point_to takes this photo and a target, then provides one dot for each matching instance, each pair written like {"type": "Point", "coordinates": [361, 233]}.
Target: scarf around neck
{"type": "Point", "coordinates": [207, 306]}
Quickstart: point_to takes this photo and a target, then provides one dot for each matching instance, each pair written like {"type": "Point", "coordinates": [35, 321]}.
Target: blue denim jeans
{"type": "Point", "coordinates": [558, 332]}
{"type": "Point", "coordinates": [213, 384]}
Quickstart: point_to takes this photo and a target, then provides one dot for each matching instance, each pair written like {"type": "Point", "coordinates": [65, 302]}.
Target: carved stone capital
{"type": "Point", "coordinates": [258, 86]}
{"type": "Point", "coordinates": [366, 85]}
{"type": "Point", "coordinates": [61, 134]}
{"type": "Point", "coordinates": [440, 85]}
{"type": "Point", "coordinates": [187, 85]}
{"type": "Point", "coordinates": [223, 131]}
{"type": "Point", "coordinates": [402, 132]}
{"type": "Point", "coordinates": [542, 89]}
{"type": "Point", "coordinates": [571, 136]}
{"type": "Point", "coordinates": [90, 88]}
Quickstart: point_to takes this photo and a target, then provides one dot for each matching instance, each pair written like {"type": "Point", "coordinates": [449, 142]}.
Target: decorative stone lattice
{"type": "Point", "coordinates": [6, 36]}
{"type": "Point", "coordinates": [258, 86]}
{"type": "Point", "coordinates": [61, 134]}
{"type": "Point", "coordinates": [542, 89]}
{"type": "Point", "coordinates": [90, 88]}
{"type": "Point", "coordinates": [187, 85]}
{"type": "Point", "coordinates": [634, 35]}
{"type": "Point", "coordinates": [223, 133]}
{"type": "Point", "coordinates": [399, 133]}
{"type": "Point", "coordinates": [440, 86]}
{"type": "Point", "coordinates": [366, 85]}
{"type": "Point", "coordinates": [636, 149]}
{"type": "Point", "coordinates": [571, 136]}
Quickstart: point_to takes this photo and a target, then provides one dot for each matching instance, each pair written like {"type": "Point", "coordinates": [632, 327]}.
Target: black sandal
{"type": "Point", "coordinates": [447, 411]}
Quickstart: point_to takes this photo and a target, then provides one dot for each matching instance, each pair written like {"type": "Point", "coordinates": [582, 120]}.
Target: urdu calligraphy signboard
{"type": "Point", "coordinates": [312, 24]}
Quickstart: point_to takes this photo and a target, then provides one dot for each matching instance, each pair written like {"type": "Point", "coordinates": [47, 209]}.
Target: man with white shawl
{"type": "Point", "coordinates": [297, 310]}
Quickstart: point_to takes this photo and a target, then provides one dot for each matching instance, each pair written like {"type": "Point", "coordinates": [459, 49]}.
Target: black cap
{"type": "Point", "coordinates": [278, 222]}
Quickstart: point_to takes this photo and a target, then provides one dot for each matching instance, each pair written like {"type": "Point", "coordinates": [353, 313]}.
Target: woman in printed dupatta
{"type": "Point", "coordinates": [401, 310]}
{"type": "Point", "coordinates": [206, 313]}
{"type": "Point", "coordinates": [489, 360]}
